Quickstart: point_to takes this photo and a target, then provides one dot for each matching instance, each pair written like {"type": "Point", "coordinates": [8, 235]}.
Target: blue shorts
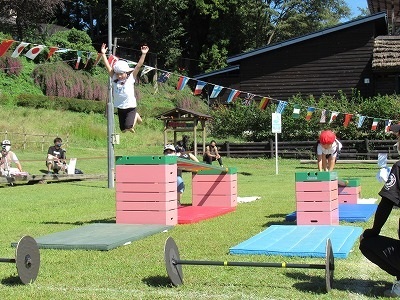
{"type": "Point", "coordinates": [181, 184]}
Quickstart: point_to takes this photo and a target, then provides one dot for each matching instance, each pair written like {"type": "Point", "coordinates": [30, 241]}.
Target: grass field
{"type": "Point", "coordinates": [137, 271]}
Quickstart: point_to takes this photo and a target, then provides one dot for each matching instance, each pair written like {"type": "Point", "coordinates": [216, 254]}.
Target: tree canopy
{"type": "Point", "coordinates": [190, 35]}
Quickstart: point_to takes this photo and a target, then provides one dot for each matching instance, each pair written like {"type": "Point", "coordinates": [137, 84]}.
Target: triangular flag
{"type": "Point", "coordinates": [374, 124]}
{"type": "Point", "coordinates": [112, 60]}
{"type": "Point", "coordinates": [322, 120]}
{"type": "Point", "coordinates": [19, 49]}
{"type": "Point", "coordinates": [182, 82]}
{"type": "Point", "coordinates": [52, 50]}
{"type": "Point", "coordinates": [361, 120]}
{"type": "Point", "coordinates": [233, 95]}
{"type": "Point", "coordinates": [33, 52]}
{"type": "Point", "coordinates": [199, 87]}
{"type": "Point", "coordinates": [164, 77]}
{"type": "Point", "coordinates": [216, 90]}
{"type": "Point", "coordinates": [281, 107]}
{"type": "Point", "coordinates": [264, 103]}
{"type": "Point", "coordinates": [79, 53]}
{"type": "Point", "coordinates": [334, 115]}
{"type": "Point", "coordinates": [4, 46]}
{"type": "Point", "coordinates": [146, 70]}
{"type": "Point", "coordinates": [296, 111]}
{"type": "Point", "coordinates": [310, 112]}
{"type": "Point", "coordinates": [347, 118]}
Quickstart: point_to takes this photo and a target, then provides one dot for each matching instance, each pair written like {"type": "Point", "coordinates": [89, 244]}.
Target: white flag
{"type": "Point", "coordinates": [19, 49]}
{"type": "Point", "coordinates": [33, 52]}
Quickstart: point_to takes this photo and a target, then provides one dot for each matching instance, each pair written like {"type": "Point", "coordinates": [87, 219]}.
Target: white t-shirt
{"type": "Point", "coordinates": [124, 92]}
{"type": "Point", "coordinates": [5, 162]}
{"type": "Point", "coordinates": [336, 147]}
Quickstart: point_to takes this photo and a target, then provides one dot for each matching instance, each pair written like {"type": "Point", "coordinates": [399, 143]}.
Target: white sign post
{"type": "Point", "coordinates": [276, 128]}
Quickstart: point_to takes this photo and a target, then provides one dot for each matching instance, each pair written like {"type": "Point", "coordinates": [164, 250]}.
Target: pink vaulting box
{"type": "Point", "coordinates": [214, 190]}
{"type": "Point", "coordinates": [307, 206]}
{"type": "Point", "coordinates": [169, 217]}
{"type": "Point", "coordinates": [316, 186]}
{"type": "Point", "coordinates": [348, 194]}
{"type": "Point", "coordinates": [318, 217]}
{"type": "Point", "coordinates": [146, 194]}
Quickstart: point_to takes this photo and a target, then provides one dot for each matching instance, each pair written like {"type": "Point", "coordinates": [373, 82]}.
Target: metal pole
{"type": "Point", "coordinates": [110, 110]}
{"type": "Point", "coordinates": [247, 264]}
{"type": "Point", "coordinates": [276, 154]}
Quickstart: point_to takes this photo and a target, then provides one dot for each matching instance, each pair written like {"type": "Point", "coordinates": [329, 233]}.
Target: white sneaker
{"type": "Point", "coordinates": [394, 292]}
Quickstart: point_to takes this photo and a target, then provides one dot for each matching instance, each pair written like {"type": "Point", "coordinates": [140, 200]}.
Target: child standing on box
{"type": "Point", "coordinates": [328, 150]}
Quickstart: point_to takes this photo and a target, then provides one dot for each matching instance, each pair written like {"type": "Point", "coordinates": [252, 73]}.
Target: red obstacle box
{"type": "Point", "coordinates": [317, 198]}
{"type": "Point", "coordinates": [215, 188]}
{"type": "Point", "coordinates": [146, 190]}
{"type": "Point", "coordinates": [349, 190]}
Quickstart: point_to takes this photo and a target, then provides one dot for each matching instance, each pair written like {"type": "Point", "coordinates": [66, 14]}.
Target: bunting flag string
{"type": "Point", "coordinates": [35, 50]}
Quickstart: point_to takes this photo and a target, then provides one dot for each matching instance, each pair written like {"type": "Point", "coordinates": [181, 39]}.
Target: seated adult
{"type": "Point", "coordinates": [56, 158]}
{"type": "Point", "coordinates": [212, 154]}
{"type": "Point", "coordinates": [7, 158]}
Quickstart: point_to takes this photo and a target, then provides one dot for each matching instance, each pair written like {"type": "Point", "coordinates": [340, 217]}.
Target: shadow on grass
{"type": "Point", "coordinates": [280, 216]}
{"type": "Point", "coordinates": [245, 173]}
{"type": "Point", "coordinates": [109, 220]}
{"type": "Point", "coordinates": [352, 285]}
{"type": "Point", "coordinates": [158, 281]}
{"type": "Point", "coordinates": [12, 280]}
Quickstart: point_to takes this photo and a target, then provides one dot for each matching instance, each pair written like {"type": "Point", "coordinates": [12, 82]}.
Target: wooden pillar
{"type": "Point", "coordinates": [203, 124]}
{"type": "Point", "coordinates": [195, 136]}
{"type": "Point", "coordinates": [165, 132]}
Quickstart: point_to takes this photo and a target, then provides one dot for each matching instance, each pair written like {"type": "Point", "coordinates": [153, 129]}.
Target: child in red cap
{"type": "Point", "coordinates": [328, 150]}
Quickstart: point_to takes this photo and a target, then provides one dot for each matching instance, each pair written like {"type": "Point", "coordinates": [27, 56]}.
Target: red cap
{"type": "Point", "coordinates": [327, 137]}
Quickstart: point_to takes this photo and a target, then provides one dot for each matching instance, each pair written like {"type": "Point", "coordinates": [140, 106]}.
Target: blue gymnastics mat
{"type": "Point", "coordinates": [302, 241]}
{"type": "Point", "coordinates": [348, 212]}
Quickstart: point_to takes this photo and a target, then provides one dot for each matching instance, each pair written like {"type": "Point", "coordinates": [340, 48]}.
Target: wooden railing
{"type": "Point", "coordinates": [31, 141]}
{"type": "Point", "coordinates": [352, 149]}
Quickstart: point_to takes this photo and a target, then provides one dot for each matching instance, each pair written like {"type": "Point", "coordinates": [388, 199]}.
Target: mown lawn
{"type": "Point", "coordinates": [137, 271]}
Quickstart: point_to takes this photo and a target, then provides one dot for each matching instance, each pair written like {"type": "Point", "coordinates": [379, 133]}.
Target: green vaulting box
{"type": "Point", "coordinates": [315, 176]}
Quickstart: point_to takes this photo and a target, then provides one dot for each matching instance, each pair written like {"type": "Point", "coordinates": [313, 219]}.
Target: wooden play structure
{"type": "Point", "coordinates": [183, 120]}
{"type": "Point", "coordinates": [146, 188]}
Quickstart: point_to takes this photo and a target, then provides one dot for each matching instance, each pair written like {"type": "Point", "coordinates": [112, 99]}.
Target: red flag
{"type": "Point", "coordinates": [347, 118]}
{"type": "Point", "coordinates": [78, 61]}
{"type": "Point", "coordinates": [33, 52]}
{"type": "Point", "coordinates": [19, 49]}
{"type": "Point", "coordinates": [4, 46]}
{"type": "Point", "coordinates": [52, 51]}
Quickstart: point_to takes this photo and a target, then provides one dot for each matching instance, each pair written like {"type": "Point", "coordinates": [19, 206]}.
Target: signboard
{"type": "Point", "coordinates": [276, 123]}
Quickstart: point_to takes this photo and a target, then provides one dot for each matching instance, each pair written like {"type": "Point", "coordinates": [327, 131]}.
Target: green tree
{"type": "Point", "coordinates": [27, 15]}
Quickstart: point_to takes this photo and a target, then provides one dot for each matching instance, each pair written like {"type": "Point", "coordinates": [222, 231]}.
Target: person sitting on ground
{"type": "Point", "coordinates": [169, 150]}
{"type": "Point", "coordinates": [328, 150]}
{"type": "Point", "coordinates": [212, 154]}
{"type": "Point", "coordinates": [382, 250]}
{"type": "Point", "coordinates": [8, 157]}
{"type": "Point", "coordinates": [56, 158]}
